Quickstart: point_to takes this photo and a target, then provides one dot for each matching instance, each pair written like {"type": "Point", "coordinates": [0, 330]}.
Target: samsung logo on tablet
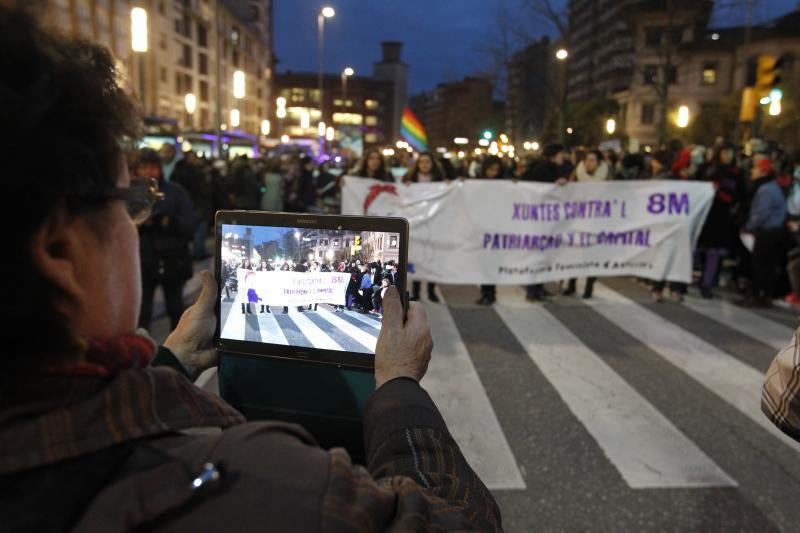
{"type": "Point", "coordinates": [306, 220]}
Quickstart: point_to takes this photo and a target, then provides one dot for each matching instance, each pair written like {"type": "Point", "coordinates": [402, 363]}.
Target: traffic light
{"type": "Point", "coordinates": [768, 72]}
{"type": "Point", "coordinates": [487, 135]}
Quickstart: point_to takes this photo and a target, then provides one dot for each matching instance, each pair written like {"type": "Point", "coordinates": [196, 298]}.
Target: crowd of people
{"type": "Point", "coordinates": [757, 193]}
{"type": "Point", "coordinates": [364, 293]}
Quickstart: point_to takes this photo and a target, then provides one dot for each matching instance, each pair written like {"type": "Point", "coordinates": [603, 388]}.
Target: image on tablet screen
{"type": "Point", "coordinates": [313, 288]}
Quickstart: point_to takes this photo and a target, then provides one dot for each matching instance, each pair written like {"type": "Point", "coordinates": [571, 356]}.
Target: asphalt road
{"type": "Point", "coordinates": [616, 414]}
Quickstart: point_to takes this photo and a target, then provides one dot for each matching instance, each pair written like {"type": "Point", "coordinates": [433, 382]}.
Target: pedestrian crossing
{"type": "Point", "coordinates": [322, 328]}
{"type": "Point", "coordinates": [636, 428]}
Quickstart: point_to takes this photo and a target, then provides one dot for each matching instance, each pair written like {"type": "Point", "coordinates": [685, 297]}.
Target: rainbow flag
{"type": "Point", "coordinates": [413, 132]}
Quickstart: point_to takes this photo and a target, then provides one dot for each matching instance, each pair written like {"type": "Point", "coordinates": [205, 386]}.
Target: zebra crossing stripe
{"type": "Point", "coordinates": [362, 337]}
{"type": "Point", "coordinates": [724, 375]}
{"type": "Point", "coordinates": [234, 327]}
{"type": "Point", "coordinates": [365, 319]}
{"type": "Point", "coordinates": [315, 335]}
{"type": "Point", "coordinates": [643, 445]}
{"type": "Point", "coordinates": [271, 331]}
{"type": "Point", "coordinates": [751, 324]}
{"type": "Point", "coordinates": [456, 388]}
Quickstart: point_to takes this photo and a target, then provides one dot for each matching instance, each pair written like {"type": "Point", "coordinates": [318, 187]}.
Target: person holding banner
{"type": "Point", "coordinates": [591, 168]}
{"type": "Point", "coordinates": [426, 170]}
{"type": "Point", "coordinates": [492, 169]}
{"type": "Point", "coordinates": [547, 170]}
{"type": "Point", "coordinates": [373, 166]}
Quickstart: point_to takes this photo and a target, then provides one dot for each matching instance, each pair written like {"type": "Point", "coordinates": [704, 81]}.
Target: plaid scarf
{"type": "Point", "coordinates": [107, 356]}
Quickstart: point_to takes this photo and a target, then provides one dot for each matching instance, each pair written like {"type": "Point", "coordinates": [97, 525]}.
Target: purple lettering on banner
{"type": "Point", "coordinates": [516, 211]}
{"type": "Point", "coordinates": [487, 238]}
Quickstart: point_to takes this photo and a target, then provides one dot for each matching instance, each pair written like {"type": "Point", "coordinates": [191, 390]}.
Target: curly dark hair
{"type": "Point", "coordinates": [65, 121]}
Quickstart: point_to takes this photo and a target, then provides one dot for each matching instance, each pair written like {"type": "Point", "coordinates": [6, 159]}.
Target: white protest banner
{"type": "Point", "coordinates": [505, 232]}
{"type": "Point", "coordinates": [281, 288]}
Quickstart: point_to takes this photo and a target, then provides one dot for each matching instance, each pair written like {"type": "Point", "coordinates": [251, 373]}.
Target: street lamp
{"type": "Point", "coordinates": [683, 117]}
{"type": "Point", "coordinates": [190, 102]}
{"type": "Point", "coordinates": [321, 129]}
{"type": "Point", "coordinates": [611, 126]}
{"type": "Point", "coordinates": [326, 13]}
{"type": "Point", "coordinates": [329, 133]}
{"type": "Point", "coordinates": [305, 120]}
{"type": "Point", "coordinates": [139, 43]}
{"type": "Point", "coordinates": [562, 54]}
{"type": "Point", "coordinates": [265, 127]}
{"type": "Point", "coordinates": [346, 73]}
{"type": "Point", "coordinates": [238, 84]}
{"type": "Point", "coordinates": [234, 118]}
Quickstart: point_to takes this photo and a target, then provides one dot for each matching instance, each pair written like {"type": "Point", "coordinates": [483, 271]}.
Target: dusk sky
{"type": "Point", "coordinates": [442, 37]}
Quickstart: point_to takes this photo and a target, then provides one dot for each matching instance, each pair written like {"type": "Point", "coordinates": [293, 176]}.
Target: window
{"type": "Point", "coordinates": [371, 120]}
{"type": "Point", "coordinates": [392, 241]}
{"type": "Point", "coordinates": [259, 93]}
{"type": "Point", "coordinates": [313, 95]}
{"type": "Point", "coordinates": [204, 91]}
{"type": "Point", "coordinates": [178, 83]}
{"type": "Point", "coordinates": [336, 243]}
{"type": "Point", "coordinates": [202, 35]}
{"type": "Point", "coordinates": [202, 63]}
{"type": "Point", "coordinates": [161, 10]}
{"type": "Point", "coordinates": [371, 104]}
{"type": "Point", "coordinates": [203, 118]}
{"type": "Point", "coordinates": [648, 114]}
{"type": "Point", "coordinates": [370, 138]}
{"type": "Point", "coordinates": [672, 74]}
{"type": "Point", "coordinates": [186, 58]}
{"type": "Point", "coordinates": [652, 37]}
{"type": "Point", "coordinates": [338, 102]}
{"type": "Point", "coordinates": [298, 95]}
{"type": "Point", "coordinates": [650, 74]}
{"type": "Point", "coordinates": [162, 72]}
{"type": "Point", "coordinates": [347, 118]}
{"type": "Point", "coordinates": [236, 58]}
{"type": "Point", "coordinates": [709, 74]}
{"type": "Point", "coordinates": [162, 42]}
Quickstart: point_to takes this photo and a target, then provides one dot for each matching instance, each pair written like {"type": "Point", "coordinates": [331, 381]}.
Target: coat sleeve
{"type": "Point", "coordinates": [758, 211]}
{"type": "Point", "coordinates": [417, 478]}
{"type": "Point", "coordinates": [780, 395]}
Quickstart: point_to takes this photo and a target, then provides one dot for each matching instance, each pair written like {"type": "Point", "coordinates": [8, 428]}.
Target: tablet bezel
{"type": "Point", "coordinates": [296, 220]}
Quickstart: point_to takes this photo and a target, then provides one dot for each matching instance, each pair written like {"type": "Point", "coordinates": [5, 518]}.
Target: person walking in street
{"type": "Point", "coordinates": [718, 236]}
{"type": "Point", "coordinates": [164, 241]}
{"type": "Point", "coordinates": [425, 170]}
{"type": "Point", "coordinates": [365, 289]}
{"type": "Point", "coordinates": [766, 223]}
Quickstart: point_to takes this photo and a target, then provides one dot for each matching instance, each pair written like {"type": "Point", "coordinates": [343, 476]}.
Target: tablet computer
{"type": "Point", "coordinates": [306, 287]}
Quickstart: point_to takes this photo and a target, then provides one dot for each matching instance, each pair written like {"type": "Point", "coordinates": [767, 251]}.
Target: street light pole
{"type": "Point", "coordinates": [325, 12]}
{"type": "Point", "coordinates": [562, 55]}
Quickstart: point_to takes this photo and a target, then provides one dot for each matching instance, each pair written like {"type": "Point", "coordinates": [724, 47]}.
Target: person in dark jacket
{"type": "Point", "coordinates": [164, 242]}
{"type": "Point", "coordinates": [551, 168]}
{"type": "Point", "coordinates": [102, 431]}
{"type": "Point", "coordinates": [244, 190]}
{"type": "Point", "coordinates": [190, 174]}
{"type": "Point", "coordinates": [717, 239]}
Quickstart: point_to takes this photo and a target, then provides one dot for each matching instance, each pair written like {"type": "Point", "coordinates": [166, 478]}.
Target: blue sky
{"type": "Point", "coordinates": [442, 37]}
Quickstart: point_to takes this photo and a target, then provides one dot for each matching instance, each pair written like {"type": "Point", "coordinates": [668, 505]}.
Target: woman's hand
{"type": "Point", "coordinates": [192, 340]}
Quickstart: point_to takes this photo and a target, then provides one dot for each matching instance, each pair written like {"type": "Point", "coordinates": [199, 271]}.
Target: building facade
{"type": "Point", "coordinates": [194, 47]}
{"type": "Point", "coordinates": [601, 48]}
{"type": "Point", "coordinates": [533, 91]}
{"type": "Point", "coordinates": [359, 108]}
{"type": "Point", "coordinates": [707, 73]}
{"type": "Point", "coordinates": [459, 109]}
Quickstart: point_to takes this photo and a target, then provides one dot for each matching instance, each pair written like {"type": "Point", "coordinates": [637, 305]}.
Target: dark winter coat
{"type": "Point", "coordinates": [164, 239]}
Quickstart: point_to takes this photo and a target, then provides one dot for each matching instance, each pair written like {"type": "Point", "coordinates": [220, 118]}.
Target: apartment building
{"type": "Point", "coordinates": [193, 47]}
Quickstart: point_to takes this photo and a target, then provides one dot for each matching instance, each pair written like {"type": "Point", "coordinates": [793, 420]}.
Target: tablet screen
{"type": "Point", "coordinates": [305, 287]}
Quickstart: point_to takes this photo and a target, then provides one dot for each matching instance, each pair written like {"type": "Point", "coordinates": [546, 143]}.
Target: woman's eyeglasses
{"type": "Point", "coordinates": [139, 198]}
